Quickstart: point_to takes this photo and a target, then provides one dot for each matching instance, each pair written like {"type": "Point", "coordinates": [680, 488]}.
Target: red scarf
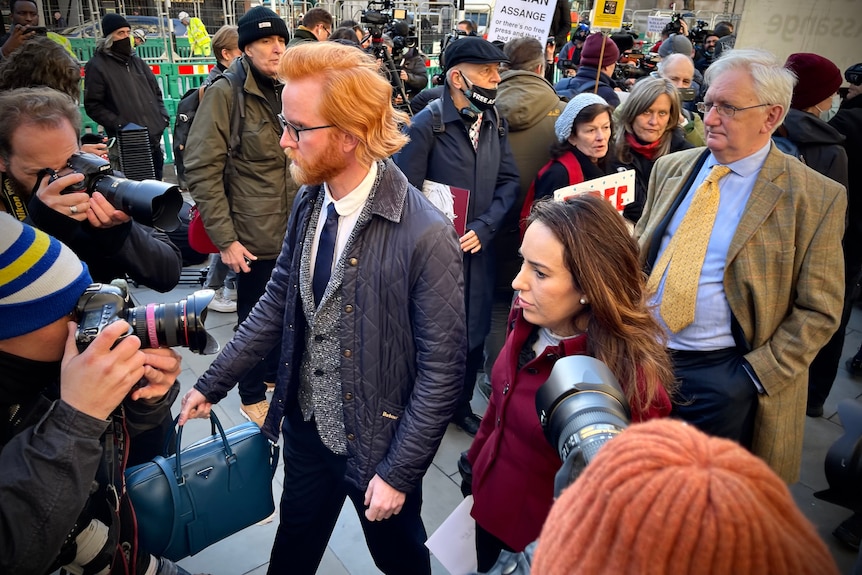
{"type": "Point", "coordinates": [649, 151]}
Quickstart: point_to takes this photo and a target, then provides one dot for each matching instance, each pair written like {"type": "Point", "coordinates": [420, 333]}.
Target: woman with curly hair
{"type": "Point", "coordinates": [647, 128]}
{"type": "Point", "coordinates": [580, 292]}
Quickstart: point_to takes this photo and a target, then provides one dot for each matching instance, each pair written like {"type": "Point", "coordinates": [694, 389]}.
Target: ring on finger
{"type": "Point", "coordinates": [73, 209]}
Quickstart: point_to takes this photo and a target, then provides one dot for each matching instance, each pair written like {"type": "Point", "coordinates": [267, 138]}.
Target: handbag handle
{"type": "Point", "coordinates": [215, 423]}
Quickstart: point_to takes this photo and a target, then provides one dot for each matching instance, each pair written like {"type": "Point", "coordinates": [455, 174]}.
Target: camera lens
{"type": "Point", "coordinates": [175, 324]}
{"type": "Point", "coordinates": [150, 202]}
{"type": "Point", "coordinates": [582, 406]}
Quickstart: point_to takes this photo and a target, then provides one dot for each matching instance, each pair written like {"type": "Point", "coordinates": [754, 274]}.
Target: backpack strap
{"type": "Point", "coordinates": [438, 127]}
{"type": "Point", "coordinates": [573, 169]}
{"type": "Point", "coordinates": [237, 111]}
{"type": "Point", "coordinates": [436, 108]}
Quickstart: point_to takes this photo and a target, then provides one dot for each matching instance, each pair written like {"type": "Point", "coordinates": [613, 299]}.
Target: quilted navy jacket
{"type": "Point", "coordinates": [403, 334]}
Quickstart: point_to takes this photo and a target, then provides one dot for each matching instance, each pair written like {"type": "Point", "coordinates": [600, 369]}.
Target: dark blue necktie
{"type": "Point", "coordinates": [325, 253]}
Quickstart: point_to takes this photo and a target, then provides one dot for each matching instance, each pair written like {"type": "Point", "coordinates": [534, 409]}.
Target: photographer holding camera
{"type": "Point", "coordinates": [25, 26]}
{"type": "Point", "coordinates": [409, 62]}
{"type": "Point", "coordinates": [64, 440]}
{"type": "Point", "coordinates": [38, 136]}
{"type": "Point", "coordinates": [580, 292]}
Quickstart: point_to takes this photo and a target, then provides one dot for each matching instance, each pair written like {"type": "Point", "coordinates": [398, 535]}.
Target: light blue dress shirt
{"type": "Point", "coordinates": [710, 329]}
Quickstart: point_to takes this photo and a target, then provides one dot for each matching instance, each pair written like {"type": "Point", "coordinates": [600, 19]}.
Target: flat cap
{"type": "Point", "coordinates": [472, 50]}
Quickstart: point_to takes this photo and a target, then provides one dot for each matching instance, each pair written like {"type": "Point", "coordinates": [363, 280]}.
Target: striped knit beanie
{"type": "Point", "coordinates": [665, 499]}
{"type": "Point", "coordinates": [40, 278]}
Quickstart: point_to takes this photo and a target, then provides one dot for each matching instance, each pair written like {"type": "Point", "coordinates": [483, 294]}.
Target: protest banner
{"type": "Point", "coordinates": [519, 18]}
{"type": "Point", "coordinates": [618, 189]}
{"type": "Point", "coordinates": [608, 14]}
{"type": "Point", "coordinates": [655, 24]}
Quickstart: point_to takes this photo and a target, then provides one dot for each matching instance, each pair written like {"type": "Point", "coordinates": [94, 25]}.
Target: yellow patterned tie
{"type": "Point", "coordinates": [684, 255]}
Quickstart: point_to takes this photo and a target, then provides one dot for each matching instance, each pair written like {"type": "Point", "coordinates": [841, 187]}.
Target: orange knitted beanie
{"type": "Point", "coordinates": [665, 499]}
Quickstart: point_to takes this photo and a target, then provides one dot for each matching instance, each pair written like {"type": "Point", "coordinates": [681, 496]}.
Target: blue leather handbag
{"type": "Point", "coordinates": [206, 492]}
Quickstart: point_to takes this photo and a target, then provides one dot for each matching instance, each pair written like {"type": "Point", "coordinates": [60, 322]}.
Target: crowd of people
{"type": "Point", "coordinates": [368, 308]}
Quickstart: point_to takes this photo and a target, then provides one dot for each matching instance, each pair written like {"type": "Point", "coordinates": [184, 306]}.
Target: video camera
{"type": "Point", "coordinates": [380, 17]}
{"type": "Point", "coordinates": [675, 24]}
{"type": "Point", "coordinates": [149, 202]}
{"type": "Point", "coordinates": [635, 64]}
{"type": "Point", "coordinates": [167, 324]}
{"type": "Point", "coordinates": [699, 33]}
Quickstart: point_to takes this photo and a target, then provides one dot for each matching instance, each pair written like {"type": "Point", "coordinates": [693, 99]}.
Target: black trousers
{"type": "Point", "coordinates": [716, 393]}
{"type": "Point", "coordinates": [314, 492]}
{"type": "Point", "coordinates": [824, 367]}
{"type": "Point", "coordinates": [475, 359]}
{"type": "Point", "coordinates": [249, 288]}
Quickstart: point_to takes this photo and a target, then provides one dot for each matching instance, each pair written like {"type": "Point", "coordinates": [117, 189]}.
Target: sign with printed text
{"type": "Point", "coordinates": [608, 14]}
{"type": "Point", "coordinates": [618, 189]}
{"type": "Point", "coordinates": [655, 24]}
{"type": "Point", "coordinates": [519, 18]}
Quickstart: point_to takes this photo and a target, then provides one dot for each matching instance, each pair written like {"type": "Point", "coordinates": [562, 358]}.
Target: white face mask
{"type": "Point", "coordinates": [827, 115]}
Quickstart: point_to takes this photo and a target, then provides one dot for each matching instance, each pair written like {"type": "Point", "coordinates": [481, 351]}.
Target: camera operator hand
{"type": "Point", "coordinates": [194, 405]}
{"type": "Point", "coordinates": [103, 215]}
{"type": "Point", "coordinates": [162, 366]}
{"type": "Point", "coordinates": [237, 258]}
{"type": "Point", "coordinates": [73, 205]}
{"type": "Point", "coordinates": [403, 75]}
{"type": "Point", "coordinates": [97, 380]}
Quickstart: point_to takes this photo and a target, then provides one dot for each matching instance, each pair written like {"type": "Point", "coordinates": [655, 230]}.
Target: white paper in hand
{"type": "Point", "coordinates": [454, 542]}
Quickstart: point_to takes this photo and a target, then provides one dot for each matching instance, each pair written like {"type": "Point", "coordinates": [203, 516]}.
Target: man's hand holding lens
{"type": "Point", "coordinates": [161, 368]}
{"type": "Point", "coordinates": [103, 215]}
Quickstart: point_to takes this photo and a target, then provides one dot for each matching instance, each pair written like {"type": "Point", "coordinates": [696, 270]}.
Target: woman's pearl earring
{"type": "Point", "coordinates": [583, 301]}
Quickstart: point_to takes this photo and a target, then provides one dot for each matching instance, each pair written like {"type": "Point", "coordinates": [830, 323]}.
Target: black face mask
{"type": "Point", "coordinates": [481, 99]}
{"type": "Point", "coordinates": [122, 47]}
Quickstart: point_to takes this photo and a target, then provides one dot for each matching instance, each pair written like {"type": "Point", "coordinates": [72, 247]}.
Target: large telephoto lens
{"type": "Point", "coordinates": [175, 324]}
{"type": "Point", "coordinates": [582, 406]}
{"type": "Point", "coordinates": [150, 202]}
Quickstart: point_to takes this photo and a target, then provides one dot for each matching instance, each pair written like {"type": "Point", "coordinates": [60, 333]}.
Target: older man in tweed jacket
{"type": "Point", "coordinates": [769, 292]}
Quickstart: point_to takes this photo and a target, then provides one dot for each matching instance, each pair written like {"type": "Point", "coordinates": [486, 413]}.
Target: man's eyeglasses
{"type": "Point", "coordinates": [724, 109]}
{"type": "Point", "coordinates": [294, 130]}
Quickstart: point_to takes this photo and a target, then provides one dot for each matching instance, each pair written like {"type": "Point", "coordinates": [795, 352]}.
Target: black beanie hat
{"type": "Point", "coordinates": [260, 22]}
{"type": "Point", "coordinates": [112, 22]}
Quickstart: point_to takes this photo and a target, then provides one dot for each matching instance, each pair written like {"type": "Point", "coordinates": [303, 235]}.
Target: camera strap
{"type": "Point", "coordinates": [15, 204]}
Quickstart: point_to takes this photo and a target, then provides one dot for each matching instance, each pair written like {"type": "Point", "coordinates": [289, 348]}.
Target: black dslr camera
{"type": "Point", "coordinates": [157, 325]}
{"type": "Point", "coordinates": [150, 202]}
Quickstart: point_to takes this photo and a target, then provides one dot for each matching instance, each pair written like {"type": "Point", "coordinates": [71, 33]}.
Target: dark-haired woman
{"type": "Point", "coordinates": [647, 128]}
{"type": "Point", "coordinates": [580, 292]}
{"type": "Point", "coordinates": [583, 139]}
